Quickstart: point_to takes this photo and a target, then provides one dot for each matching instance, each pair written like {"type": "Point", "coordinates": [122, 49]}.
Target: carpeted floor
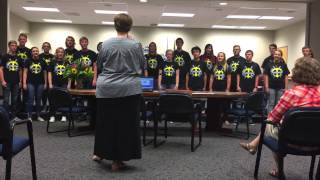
{"type": "Point", "coordinates": [220, 158]}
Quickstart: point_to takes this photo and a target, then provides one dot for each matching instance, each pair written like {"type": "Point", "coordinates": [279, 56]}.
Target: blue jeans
{"type": "Point", "coordinates": [34, 92]}
{"type": "Point", "coordinates": [274, 96]}
{"type": "Point", "coordinates": [13, 90]}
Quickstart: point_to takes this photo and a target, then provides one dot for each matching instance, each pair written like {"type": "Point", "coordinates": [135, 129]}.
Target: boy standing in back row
{"type": "Point", "coordinates": [182, 58]}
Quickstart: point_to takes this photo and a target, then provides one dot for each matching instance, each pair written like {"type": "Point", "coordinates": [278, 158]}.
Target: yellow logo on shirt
{"type": "Point", "coordinates": [85, 60]}
{"type": "Point", "coordinates": [179, 60]}
{"type": "Point", "coordinates": [35, 68]}
{"type": "Point", "coordinates": [22, 55]}
{"type": "Point", "coordinates": [234, 66]}
{"type": "Point", "coordinates": [69, 58]}
{"type": "Point", "coordinates": [276, 72]}
{"type": "Point", "coordinates": [169, 71]}
{"type": "Point", "coordinates": [219, 74]}
{"type": "Point", "coordinates": [12, 65]}
{"type": "Point", "coordinates": [248, 73]}
{"type": "Point", "coordinates": [47, 60]}
{"type": "Point", "coordinates": [195, 71]}
{"type": "Point", "coordinates": [59, 69]}
{"type": "Point", "coordinates": [153, 63]}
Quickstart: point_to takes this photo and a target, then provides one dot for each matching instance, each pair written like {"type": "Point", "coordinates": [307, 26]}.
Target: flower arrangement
{"type": "Point", "coordinates": [78, 71]}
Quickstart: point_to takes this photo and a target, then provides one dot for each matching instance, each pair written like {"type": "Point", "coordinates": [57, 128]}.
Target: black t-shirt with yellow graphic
{"type": "Point", "coordinates": [24, 53]}
{"type": "Point", "coordinates": [234, 63]}
{"type": "Point", "coordinates": [36, 70]}
{"type": "Point", "coordinates": [248, 73]}
{"type": "Point", "coordinates": [276, 72]}
{"type": "Point", "coordinates": [57, 68]}
{"type": "Point", "coordinates": [196, 75]}
{"type": "Point", "coordinates": [69, 55]}
{"type": "Point", "coordinates": [168, 72]}
{"type": "Point", "coordinates": [87, 58]}
{"type": "Point", "coordinates": [154, 62]}
{"type": "Point", "coordinates": [47, 58]}
{"type": "Point", "coordinates": [183, 59]}
{"type": "Point", "coordinates": [11, 64]}
{"type": "Point", "coordinates": [220, 73]}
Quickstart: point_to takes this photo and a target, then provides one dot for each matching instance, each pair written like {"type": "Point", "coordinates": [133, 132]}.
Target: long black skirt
{"type": "Point", "coordinates": [117, 135]}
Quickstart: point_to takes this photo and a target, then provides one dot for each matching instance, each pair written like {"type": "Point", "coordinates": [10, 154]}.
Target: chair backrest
{"type": "Point", "coordinates": [5, 132]}
{"type": "Point", "coordinates": [301, 126]}
{"type": "Point", "coordinates": [175, 103]}
{"type": "Point", "coordinates": [60, 97]}
{"type": "Point", "coordinates": [255, 101]}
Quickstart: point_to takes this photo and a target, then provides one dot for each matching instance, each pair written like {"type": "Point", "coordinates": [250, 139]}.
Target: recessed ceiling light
{"type": "Point", "coordinates": [276, 17]}
{"type": "Point", "coordinates": [143, 1]}
{"type": "Point", "coordinates": [41, 9]}
{"type": "Point", "coordinates": [57, 20]}
{"type": "Point", "coordinates": [178, 14]}
{"type": "Point", "coordinates": [223, 4]}
{"type": "Point", "coordinates": [224, 27]}
{"type": "Point", "coordinates": [109, 12]}
{"type": "Point", "coordinates": [242, 17]}
{"type": "Point", "coordinates": [170, 25]}
{"type": "Point", "coordinates": [108, 22]}
{"type": "Point", "coordinates": [252, 27]}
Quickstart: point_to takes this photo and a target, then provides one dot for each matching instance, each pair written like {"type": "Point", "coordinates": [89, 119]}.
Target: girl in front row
{"type": "Point", "coordinates": [168, 73]}
{"type": "Point", "coordinates": [56, 75]}
{"type": "Point", "coordinates": [34, 81]}
{"type": "Point", "coordinates": [220, 79]}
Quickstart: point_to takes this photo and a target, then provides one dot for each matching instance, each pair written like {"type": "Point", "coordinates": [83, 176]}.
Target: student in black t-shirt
{"type": "Point", "coordinates": [34, 81]}
{"type": "Point", "coordinates": [70, 50]}
{"type": "Point", "coordinates": [276, 79]}
{"type": "Point", "coordinates": [248, 74]}
{"type": "Point", "coordinates": [168, 73]}
{"type": "Point", "coordinates": [234, 63]}
{"type": "Point", "coordinates": [11, 76]}
{"type": "Point", "coordinates": [154, 61]}
{"type": "Point", "coordinates": [89, 59]}
{"type": "Point", "coordinates": [183, 59]}
{"type": "Point", "coordinates": [272, 48]}
{"type": "Point", "coordinates": [210, 60]}
{"type": "Point", "coordinates": [196, 77]}
{"type": "Point", "coordinates": [47, 57]}
{"type": "Point", "coordinates": [56, 74]}
{"type": "Point", "coordinates": [220, 78]}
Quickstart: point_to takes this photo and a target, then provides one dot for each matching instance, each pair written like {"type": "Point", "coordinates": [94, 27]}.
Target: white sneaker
{"type": "Point", "coordinates": [40, 119]}
{"type": "Point", "coordinates": [63, 119]}
{"type": "Point", "coordinates": [52, 119]}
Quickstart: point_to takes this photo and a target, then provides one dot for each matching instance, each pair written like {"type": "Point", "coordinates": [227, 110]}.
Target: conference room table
{"type": "Point", "coordinates": [215, 103]}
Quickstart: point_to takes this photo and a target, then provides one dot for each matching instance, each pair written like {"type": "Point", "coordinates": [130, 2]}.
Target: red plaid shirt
{"type": "Point", "coordinates": [298, 96]}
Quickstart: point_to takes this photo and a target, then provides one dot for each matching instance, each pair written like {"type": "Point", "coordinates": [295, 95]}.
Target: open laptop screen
{"type": "Point", "coordinates": [147, 84]}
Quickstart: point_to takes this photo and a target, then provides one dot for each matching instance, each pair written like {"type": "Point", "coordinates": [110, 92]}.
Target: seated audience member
{"type": "Point", "coordinates": [210, 59]}
{"type": "Point", "coordinates": [275, 79]}
{"type": "Point", "coordinates": [196, 77]}
{"type": "Point", "coordinates": [88, 59]}
{"type": "Point", "coordinates": [234, 63]}
{"type": "Point", "coordinates": [34, 81]}
{"type": "Point", "coordinates": [248, 74]}
{"type": "Point", "coordinates": [183, 59]}
{"type": "Point", "coordinates": [221, 77]}
{"type": "Point", "coordinates": [11, 76]}
{"type": "Point", "coordinates": [305, 93]}
{"type": "Point", "coordinates": [154, 61]}
{"type": "Point", "coordinates": [307, 52]}
{"type": "Point", "coordinates": [56, 75]}
{"type": "Point", "coordinates": [169, 73]}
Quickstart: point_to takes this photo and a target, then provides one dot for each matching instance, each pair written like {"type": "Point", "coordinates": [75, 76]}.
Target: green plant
{"type": "Point", "coordinates": [78, 71]}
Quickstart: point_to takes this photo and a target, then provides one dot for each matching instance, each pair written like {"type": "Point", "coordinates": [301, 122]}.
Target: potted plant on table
{"type": "Point", "coordinates": [78, 72]}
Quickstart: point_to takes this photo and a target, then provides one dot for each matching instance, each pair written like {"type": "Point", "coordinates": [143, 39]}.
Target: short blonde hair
{"type": "Point", "coordinates": [306, 71]}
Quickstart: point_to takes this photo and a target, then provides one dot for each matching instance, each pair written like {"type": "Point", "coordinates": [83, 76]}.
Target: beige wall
{"type": "Point", "coordinates": [292, 36]}
{"type": "Point", "coordinates": [17, 25]}
{"type": "Point", "coordinates": [222, 40]}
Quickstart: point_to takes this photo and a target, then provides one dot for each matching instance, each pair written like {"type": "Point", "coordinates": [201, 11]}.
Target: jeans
{"type": "Point", "coordinates": [274, 96]}
{"type": "Point", "coordinates": [34, 92]}
{"type": "Point", "coordinates": [13, 90]}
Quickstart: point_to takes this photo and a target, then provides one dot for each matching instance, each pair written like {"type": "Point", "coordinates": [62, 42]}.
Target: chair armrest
{"type": "Point", "coordinates": [21, 121]}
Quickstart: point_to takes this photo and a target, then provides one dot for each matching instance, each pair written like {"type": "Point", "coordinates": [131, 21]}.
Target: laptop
{"type": "Point", "coordinates": [147, 83]}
